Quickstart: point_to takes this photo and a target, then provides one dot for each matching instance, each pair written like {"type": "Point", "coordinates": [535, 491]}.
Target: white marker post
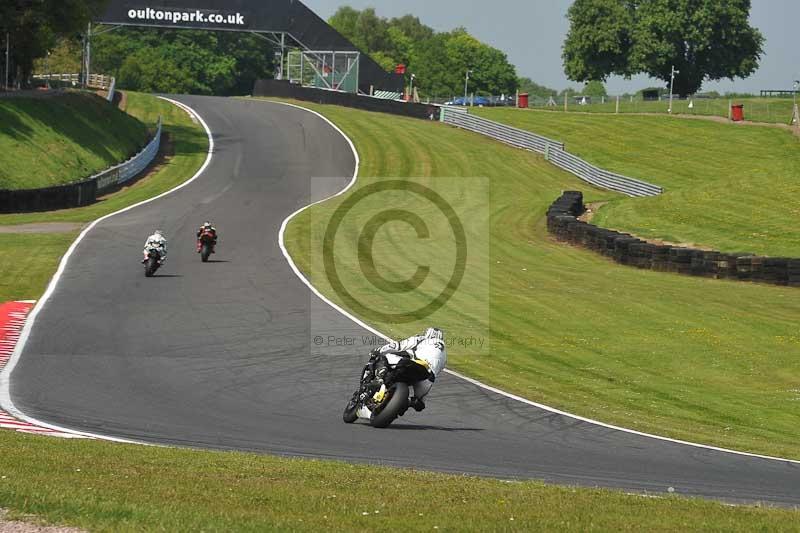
{"type": "Point", "coordinates": [671, 85]}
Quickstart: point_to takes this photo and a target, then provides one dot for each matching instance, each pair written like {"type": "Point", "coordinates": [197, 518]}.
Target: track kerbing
{"type": "Point", "coordinates": [12, 320]}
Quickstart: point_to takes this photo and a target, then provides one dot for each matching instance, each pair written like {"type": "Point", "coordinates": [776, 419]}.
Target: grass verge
{"type": "Point", "coordinates": [28, 261]}
{"type": "Point", "coordinates": [702, 360]}
{"type": "Point", "coordinates": [62, 139]}
{"type": "Point", "coordinates": [108, 487]}
{"type": "Point", "coordinates": [189, 147]}
{"type": "Point", "coordinates": [728, 187]}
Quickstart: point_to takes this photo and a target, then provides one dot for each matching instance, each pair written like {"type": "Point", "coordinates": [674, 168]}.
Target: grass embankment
{"type": "Point", "coordinates": [728, 187]}
{"type": "Point", "coordinates": [108, 487]}
{"type": "Point", "coordinates": [62, 139]}
{"type": "Point", "coordinates": [697, 359]}
{"type": "Point", "coordinates": [774, 110]}
{"type": "Point", "coordinates": [187, 146]}
{"type": "Point", "coordinates": [29, 260]}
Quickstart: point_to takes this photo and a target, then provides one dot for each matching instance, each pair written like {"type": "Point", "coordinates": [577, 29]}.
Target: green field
{"type": "Point", "coordinates": [773, 110]}
{"type": "Point", "coordinates": [28, 261]}
{"type": "Point", "coordinates": [703, 360]}
{"type": "Point", "coordinates": [62, 139]}
{"type": "Point", "coordinates": [108, 487]}
{"type": "Point", "coordinates": [728, 187]}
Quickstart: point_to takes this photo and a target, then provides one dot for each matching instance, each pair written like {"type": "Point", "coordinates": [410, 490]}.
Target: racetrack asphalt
{"type": "Point", "coordinates": [220, 355]}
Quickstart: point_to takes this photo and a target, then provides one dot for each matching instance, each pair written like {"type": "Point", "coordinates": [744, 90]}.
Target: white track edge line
{"type": "Point", "coordinates": [453, 373]}
{"type": "Point", "coordinates": [5, 375]}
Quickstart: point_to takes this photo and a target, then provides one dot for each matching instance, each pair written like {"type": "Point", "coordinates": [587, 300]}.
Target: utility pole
{"type": "Point", "coordinates": [8, 51]}
{"type": "Point", "coordinates": [795, 111]}
{"type": "Point", "coordinates": [671, 85]}
{"type": "Point", "coordinates": [466, 85]}
{"type": "Point", "coordinates": [88, 54]}
{"type": "Point", "coordinates": [47, 68]}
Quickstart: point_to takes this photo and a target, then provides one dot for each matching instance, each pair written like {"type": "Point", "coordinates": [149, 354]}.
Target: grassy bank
{"type": "Point", "coordinates": [773, 110]}
{"type": "Point", "coordinates": [696, 359]}
{"type": "Point", "coordinates": [728, 187]}
{"type": "Point", "coordinates": [107, 487]}
{"type": "Point", "coordinates": [187, 146]}
{"type": "Point", "coordinates": [62, 139]}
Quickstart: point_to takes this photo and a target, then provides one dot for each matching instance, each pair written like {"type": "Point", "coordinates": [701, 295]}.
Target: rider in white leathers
{"type": "Point", "coordinates": [156, 240]}
{"type": "Point", "coordinates": [428, 348]}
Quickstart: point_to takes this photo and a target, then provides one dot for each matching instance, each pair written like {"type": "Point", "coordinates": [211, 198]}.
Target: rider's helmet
{"type": "Point", "coordinates": [159, 233]}
{"type": "Point", "coordinates": [207, 225]}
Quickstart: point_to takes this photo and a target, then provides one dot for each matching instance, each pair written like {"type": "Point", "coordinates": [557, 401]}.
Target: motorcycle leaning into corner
{"type": "Point", "coordinates": [155, 253]}
{"type": "Point", "coordinates": [406, 377]}
{"type": "Point", "coordinates": [154, 259]}
{"type": "Point", "coordinates": [207, 241]}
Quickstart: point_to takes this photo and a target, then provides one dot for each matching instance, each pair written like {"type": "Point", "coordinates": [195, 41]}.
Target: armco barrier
{"type": "Point", "coordinates": [284, 89]}
{"type": "Point", "coordinates": [81, 193]}
{"type": "Point", "coordinates": [553, 151]}
{"type": "Point", "coordinates": [563, 223]}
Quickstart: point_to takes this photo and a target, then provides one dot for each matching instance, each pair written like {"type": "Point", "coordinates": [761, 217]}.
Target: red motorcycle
{"type": "Point", "coordinates": [206, 243]}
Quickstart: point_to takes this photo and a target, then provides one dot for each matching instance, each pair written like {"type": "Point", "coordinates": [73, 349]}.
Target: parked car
{"type": "Point", "coordinates": [480, 101]}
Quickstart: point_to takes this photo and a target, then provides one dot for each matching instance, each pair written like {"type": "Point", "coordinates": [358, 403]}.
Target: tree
{"type": "Point", "coordinates": [703, 39]}
{"type": "Point", "coordinates": [527, 85]}
{"type": "Point", "coordinates": [439, 60]}
{"type": "Point", "coordinates": [599, 39]}
{"type": "Point", "coordinates": [185, 61]}
{"type": "Point", "coordinates": [35, 27]}
{"type": "Point", "coordinates": [412, 27]}
{"type": "Point", "coordinates": [595, 88]}
{"type": "Point", "coordinates": [491, 71]}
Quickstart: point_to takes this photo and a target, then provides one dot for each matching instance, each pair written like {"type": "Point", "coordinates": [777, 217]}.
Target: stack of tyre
{"type": "Point", "coordinates": [563, 223]}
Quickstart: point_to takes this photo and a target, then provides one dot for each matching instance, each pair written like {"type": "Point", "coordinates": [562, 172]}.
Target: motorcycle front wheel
{"type": "Point", "coordinates": [391, 408]}
{"type": "Point", "coordinates": [151, 267]}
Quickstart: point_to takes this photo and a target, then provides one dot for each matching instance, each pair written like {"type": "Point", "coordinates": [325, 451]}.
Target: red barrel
{"type": "Point", "coordinates": [523, 101]}
{"type": "Point", "coordinates": [737, 112]}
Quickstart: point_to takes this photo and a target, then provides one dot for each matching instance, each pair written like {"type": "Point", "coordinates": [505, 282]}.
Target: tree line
{"type": "Point", "coordinates": [439, 61]}
{"type": "Point", "coordinates": [34, 27]}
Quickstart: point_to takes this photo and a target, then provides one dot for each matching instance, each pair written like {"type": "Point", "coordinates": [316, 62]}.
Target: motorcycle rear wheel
{"type": "Point", "coordinates": [205, 252]}
{"type": "Point", "coordinates": [396, 404]}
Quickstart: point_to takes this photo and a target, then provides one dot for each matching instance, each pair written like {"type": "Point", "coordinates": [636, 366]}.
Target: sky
{"type": "Point", "coordinates": [532, 33]}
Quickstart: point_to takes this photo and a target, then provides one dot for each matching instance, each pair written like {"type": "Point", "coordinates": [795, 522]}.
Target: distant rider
{"type": "Point", "coordinates": [156, 240]}
{"type": "Point", "coordinates": [207, 226]}
{"type": "Point", "coordinates": [427, 349]}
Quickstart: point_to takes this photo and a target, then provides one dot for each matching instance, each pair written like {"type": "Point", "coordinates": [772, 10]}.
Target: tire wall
{"type": "Point", "coordinates": [563, 224]}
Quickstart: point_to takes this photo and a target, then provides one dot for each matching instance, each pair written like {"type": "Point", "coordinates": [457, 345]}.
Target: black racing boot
{"type": "Point", "coordinates": [417, 404]}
